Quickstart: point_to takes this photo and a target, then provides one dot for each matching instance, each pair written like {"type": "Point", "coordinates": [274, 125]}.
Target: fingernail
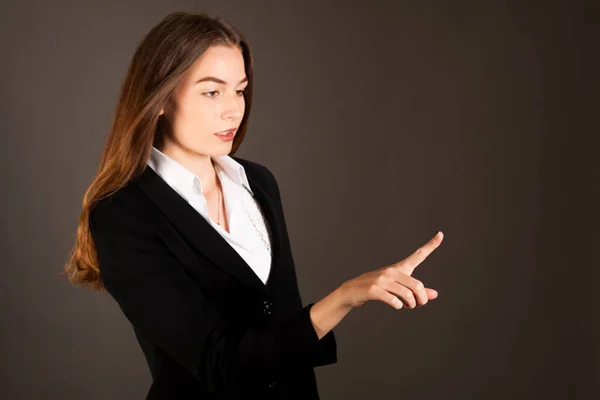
{"type": "Point", "coordinates": [397, 303]}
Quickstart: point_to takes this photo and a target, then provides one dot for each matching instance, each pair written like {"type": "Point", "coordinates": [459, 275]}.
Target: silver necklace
{"type": "Point", "coordinates": [259, 231]}
{"type": "Point", "coordinates": [265, 241]}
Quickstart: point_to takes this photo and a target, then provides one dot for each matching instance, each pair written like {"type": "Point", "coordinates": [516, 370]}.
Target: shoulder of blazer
{"type": "Point", "coordinates": [127, 203]}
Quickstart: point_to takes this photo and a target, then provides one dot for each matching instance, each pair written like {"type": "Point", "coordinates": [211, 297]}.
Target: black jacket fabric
{"type": "Point", "coordinates": [208, 326]}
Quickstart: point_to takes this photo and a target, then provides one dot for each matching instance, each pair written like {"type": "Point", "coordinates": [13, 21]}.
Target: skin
{"type": "Point", "coordinates": [392, 285]}
{"type": "Point", "coordinates": [199, 110]}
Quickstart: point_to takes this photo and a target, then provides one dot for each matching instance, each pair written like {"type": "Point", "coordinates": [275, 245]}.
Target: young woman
{"type": "Point", "coordinates": [191, 241]}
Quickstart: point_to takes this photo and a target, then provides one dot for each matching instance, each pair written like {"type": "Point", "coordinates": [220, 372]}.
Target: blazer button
{"type": "Point", "coordinates": [271, 385]}
{"type": "Point", "coordinates": [267, 307]}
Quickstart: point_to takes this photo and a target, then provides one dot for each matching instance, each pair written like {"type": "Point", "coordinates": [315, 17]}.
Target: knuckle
{"type": "Point", "coordinates": [419, 286]}
{"type": "Point", "coordinates": [372, 291]}
{"type": "Point", "coordinates": [410, 299]}
{"type": "Point", "coordinates": [404, 266]}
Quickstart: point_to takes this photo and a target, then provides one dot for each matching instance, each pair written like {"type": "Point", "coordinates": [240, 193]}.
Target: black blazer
{"type": "Point", "coordinates": [208, 326]}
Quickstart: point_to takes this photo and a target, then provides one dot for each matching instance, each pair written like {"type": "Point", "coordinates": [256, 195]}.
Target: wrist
{"type": "Point", "coordinates": [329, 311]}
{"type": "Point", "coordinates": [343, 296]}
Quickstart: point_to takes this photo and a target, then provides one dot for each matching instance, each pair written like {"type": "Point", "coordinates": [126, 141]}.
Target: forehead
{"type": "Point", "coordinates": [223, 62]}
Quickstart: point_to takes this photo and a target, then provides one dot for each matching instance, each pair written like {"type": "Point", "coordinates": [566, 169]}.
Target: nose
{"type": "Point", "coordinates": [233, 109]}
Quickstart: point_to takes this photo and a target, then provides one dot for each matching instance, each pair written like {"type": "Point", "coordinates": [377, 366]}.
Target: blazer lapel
{"type": "Point", "coordinates": [203, 236]}
{"type": "Point", "coordinates": [272, 220]}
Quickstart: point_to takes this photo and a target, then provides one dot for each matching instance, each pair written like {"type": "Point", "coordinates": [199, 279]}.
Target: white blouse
{"type": "Point", "coordinates": [248, 233]}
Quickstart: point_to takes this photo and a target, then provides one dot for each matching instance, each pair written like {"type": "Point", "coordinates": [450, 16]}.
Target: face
{"type": "Point", "coordinates": [208, 100]}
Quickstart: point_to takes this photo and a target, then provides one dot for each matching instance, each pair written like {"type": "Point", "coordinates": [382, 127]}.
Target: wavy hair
{"type": "Point", "coordinates": [166, 52]}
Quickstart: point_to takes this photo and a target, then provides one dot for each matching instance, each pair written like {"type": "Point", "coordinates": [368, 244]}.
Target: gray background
{"type": "Point", "coordinates": [383, 122]}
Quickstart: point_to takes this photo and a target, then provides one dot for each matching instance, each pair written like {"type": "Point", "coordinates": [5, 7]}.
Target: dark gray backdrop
{"type": "Point", "coordinates": [383, 122]}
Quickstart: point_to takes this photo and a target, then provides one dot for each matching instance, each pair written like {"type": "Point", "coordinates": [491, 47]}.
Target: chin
{"type": "Point", "coordinates": [221, 151]}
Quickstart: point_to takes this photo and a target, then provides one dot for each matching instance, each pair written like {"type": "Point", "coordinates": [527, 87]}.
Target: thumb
{"type": "Point", "coordinates": [431, 294]}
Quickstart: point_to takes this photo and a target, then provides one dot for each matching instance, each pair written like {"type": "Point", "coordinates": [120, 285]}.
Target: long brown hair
{"type": "Point", "coordinates": [160, 60]}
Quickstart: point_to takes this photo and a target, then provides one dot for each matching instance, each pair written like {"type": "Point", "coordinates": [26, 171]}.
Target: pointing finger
{"type": "Point", "coordinates": [410, 263]}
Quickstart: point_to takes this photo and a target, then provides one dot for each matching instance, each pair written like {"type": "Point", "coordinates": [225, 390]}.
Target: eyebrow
{"type": "Point", "coordinates": [217, 80]}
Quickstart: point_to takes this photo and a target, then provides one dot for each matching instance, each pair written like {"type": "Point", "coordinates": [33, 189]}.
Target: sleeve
{"type": "Point", "coordinates": [159, 298]}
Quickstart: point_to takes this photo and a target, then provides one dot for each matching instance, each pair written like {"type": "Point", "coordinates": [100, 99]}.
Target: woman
{"type": "Point", "coordinates": [191, 241]}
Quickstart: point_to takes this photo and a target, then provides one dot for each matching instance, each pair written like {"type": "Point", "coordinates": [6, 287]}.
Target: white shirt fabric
{"type": "Point", "coordinates": [248, 233]}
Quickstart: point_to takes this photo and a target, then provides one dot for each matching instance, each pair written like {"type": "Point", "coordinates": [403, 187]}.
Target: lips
{"type": "Point", "coordinates": [226, 132]}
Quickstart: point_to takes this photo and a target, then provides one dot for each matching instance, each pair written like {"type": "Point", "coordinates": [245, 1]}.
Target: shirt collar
{"type": "Point", "coordinates": [185, 182]}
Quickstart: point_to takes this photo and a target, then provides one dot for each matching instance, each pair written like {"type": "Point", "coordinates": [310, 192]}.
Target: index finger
{"type": "Point", "coordinates": [410, 263]}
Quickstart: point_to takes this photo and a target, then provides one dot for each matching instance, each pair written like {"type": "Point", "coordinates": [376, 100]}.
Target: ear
{"type": "Point", "coordinates": [162, 111]}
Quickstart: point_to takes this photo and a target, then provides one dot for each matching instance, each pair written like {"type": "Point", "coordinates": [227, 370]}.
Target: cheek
{"type": "Point", "coordinates": [199, 113]}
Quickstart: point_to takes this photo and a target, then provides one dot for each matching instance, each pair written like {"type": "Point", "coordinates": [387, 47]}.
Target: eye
{"type": "Point", "coordinates": [241, 92]}
{"type": "Point", "coordinates": [209, 94]}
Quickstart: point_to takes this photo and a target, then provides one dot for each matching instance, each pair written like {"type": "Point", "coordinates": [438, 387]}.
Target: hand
{"type": "Point", "coordinates": [393, 284]}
